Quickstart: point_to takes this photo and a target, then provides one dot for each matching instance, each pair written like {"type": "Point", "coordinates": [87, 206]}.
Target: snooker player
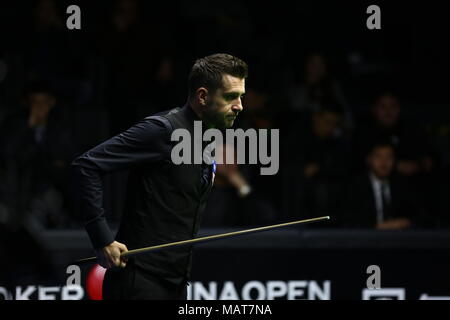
{"type": "Point", "coordinates": [163, 201]}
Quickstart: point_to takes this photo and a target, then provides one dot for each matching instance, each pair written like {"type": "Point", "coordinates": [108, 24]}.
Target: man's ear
{"type": "Point", "coordinates": [202, 96]}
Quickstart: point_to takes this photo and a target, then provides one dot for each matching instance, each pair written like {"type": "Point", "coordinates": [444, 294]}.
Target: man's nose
{"type": "Point", "coordinates": [237, 107]}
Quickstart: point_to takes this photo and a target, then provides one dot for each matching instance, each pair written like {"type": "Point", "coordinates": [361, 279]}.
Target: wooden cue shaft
{"type": "Point", "coordinates": [207, 238]}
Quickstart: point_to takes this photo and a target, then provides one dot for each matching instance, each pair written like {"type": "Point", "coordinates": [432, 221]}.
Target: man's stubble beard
{"type": "Point", "coordinates": [214, 119]}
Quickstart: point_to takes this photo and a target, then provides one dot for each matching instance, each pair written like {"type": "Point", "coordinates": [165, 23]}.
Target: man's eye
{"type": "Point", "coordinates": [233, 96]}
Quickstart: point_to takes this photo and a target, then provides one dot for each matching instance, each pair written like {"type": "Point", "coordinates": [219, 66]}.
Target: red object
{"type": "Point", "coordinates": [94, 282]}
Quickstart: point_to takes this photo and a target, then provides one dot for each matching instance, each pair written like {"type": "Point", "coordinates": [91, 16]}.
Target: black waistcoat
{"type": "Point", "coordinates": [170, 210]}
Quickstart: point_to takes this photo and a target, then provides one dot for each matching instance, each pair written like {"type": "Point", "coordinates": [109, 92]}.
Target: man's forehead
{"type": "Point", "coordinates": [231, 83]}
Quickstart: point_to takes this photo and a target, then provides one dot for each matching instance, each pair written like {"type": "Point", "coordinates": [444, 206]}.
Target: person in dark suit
{"type": "Point", "coordinates": [387, 122]}
{"type": "Point", "coordinates": [164, 201]}
{"type": "Point", "coordinates": [380, 199]}
{"type": "Point", "coordinates": [37, 146]}
{"type": "Point", "coordinates": [315, 167]}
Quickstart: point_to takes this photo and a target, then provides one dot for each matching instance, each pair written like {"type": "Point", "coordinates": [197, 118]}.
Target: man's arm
{"type": "Point", "coordinates": [146, 142]}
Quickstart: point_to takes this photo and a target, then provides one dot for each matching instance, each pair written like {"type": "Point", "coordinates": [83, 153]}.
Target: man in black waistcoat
{"type": "Point", "coordinates": [164, 201]}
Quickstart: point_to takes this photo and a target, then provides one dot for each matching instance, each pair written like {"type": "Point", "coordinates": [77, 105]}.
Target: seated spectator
{"type": "Point", "coordinates": [37, 148]}
{"type": "Point", "coordinates": [50, 53]}
{"type": "Point", "coordinates": [261, 111]}
{"type": "Point", "coordinates": [417, 161]}
{"type": "Point", "coordinates": [234, 201]}
{"type": "Point", "coordinates": [379, 198]}
{"type": "Point", "coordinates": [386, 123]}
{"type": "Point", "coordinates": [317, 89]}
{"type": "Point", "coordinates": [315, 166]}
{"type": "Point", "coordinates": [139, 74]}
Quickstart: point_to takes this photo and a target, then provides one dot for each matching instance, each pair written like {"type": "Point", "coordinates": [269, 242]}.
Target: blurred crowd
{"type": "Point", "coordinates": [365, 152]}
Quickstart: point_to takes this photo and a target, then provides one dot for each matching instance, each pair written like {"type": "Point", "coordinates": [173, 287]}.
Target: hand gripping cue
{"type": "Point", "coordinates": [139, 251]}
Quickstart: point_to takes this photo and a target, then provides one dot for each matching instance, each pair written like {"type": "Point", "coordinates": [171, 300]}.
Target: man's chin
{"type": "Point", "coordinates": [229, 122]}
{"type": "Point", "coordinates": [226, 123]}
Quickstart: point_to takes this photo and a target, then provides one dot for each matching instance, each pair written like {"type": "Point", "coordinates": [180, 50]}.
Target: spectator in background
{"type": "Point", "coordinates": [233, 200]}
{"type": "Point", "coordinates": [409, 140]}
{"type": "Point", "coordinates": [417, 162]}
{"type": "Point", "coordinates": [379, 198]}
{"type": "Point", "coordinates": [139, 70]}
{"type": "Point", "coordinates": [317, 89]}
{"type": "Point", "coordinates": [37, 148]}
{"type": "Point", "coordinates": [261, 112]}
{"type": "Point", "coordinates": [316, 166]}
{"type": "Point", "coordinates": [56, 55]}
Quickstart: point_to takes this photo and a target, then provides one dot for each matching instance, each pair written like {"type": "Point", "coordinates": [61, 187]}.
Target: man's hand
{"type": "Point", "coordinates": [109, 256]}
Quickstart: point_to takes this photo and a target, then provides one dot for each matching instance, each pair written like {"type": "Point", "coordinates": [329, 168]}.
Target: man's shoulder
{"type": "Point", "coordinates": [164, 114]}
{"type": "Point", "coordinates": [179, 117]}
{"type": "Point", "coordinates": [161, 118]}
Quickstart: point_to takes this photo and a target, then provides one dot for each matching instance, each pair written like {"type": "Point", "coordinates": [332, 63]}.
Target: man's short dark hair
{"type": "Point", "coordinates": [331, 106]}
{"type": "Point", "coordinates": [380, 143]}
{"type": "Point", "coordinates": [208, 71]}
{"type": "Point", "coordinates": [385, 93]}
{"type": "Point", "coordinates": [36, 87]}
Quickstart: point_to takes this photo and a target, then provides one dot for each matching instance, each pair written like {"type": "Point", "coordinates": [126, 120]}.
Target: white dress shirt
{"type": "Point", "coordinates": [376, 187]}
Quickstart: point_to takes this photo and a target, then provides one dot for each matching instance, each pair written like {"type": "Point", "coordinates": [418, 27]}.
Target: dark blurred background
{"type": "Point", "coordinates": [363, 114]}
